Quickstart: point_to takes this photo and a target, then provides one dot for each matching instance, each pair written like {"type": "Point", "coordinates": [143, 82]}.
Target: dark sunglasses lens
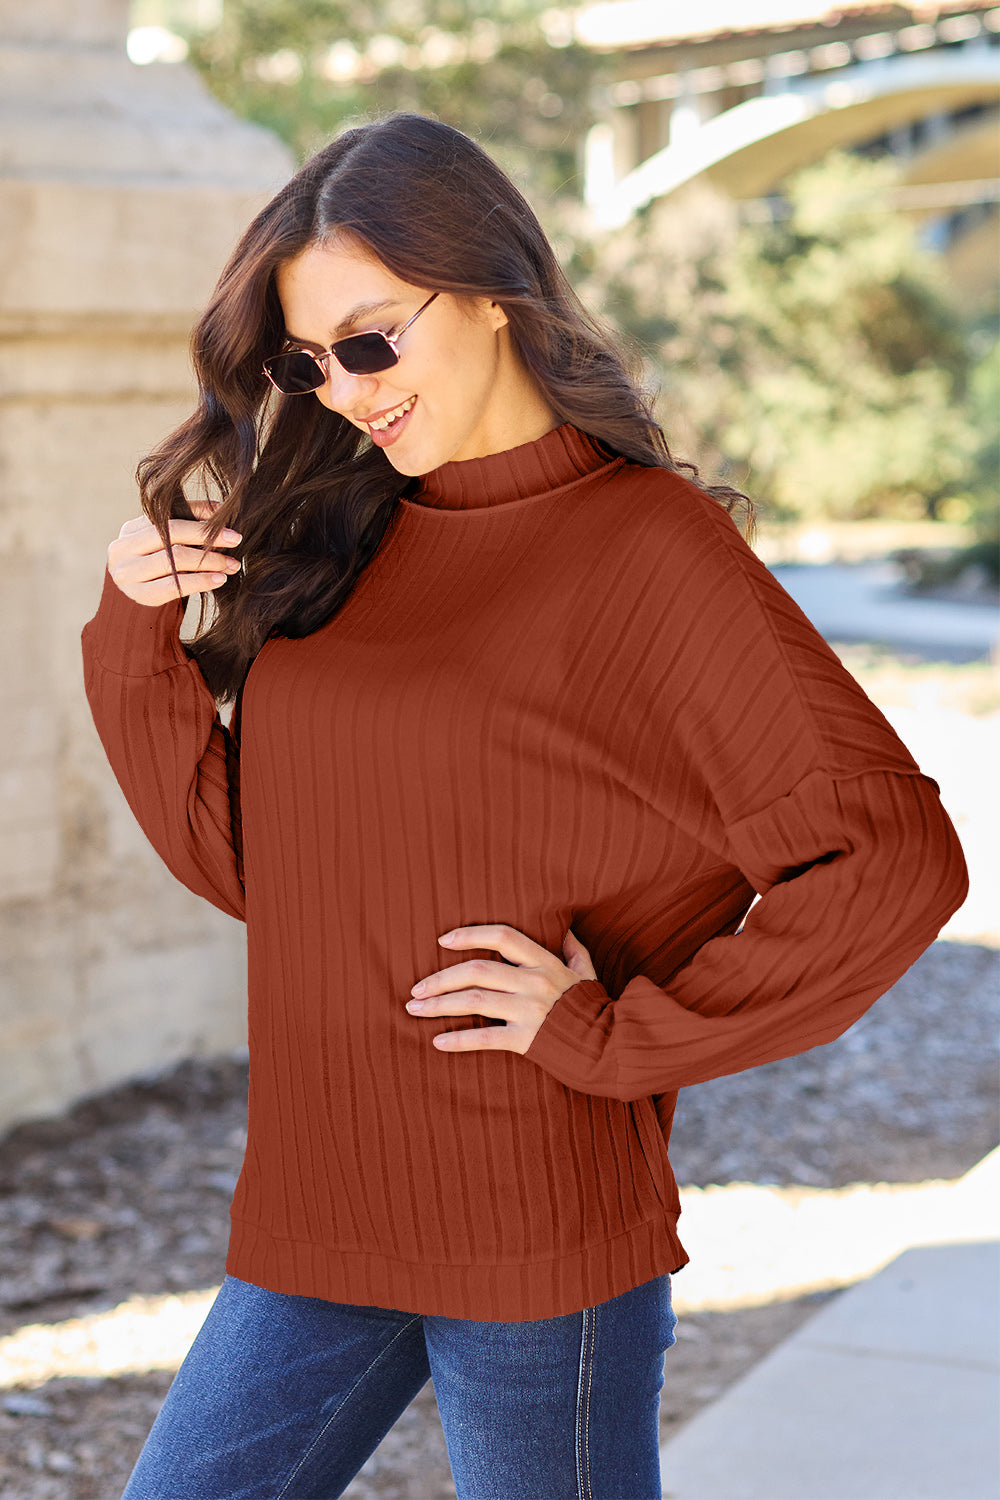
{"type": "Point", "coordinates": [365, 353]}
{"type": "Point", "coordinates": [294, 373]}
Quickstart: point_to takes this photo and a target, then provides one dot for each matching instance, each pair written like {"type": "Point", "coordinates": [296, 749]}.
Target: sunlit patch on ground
{"type": "Point", "coordinates": [750, 1244]}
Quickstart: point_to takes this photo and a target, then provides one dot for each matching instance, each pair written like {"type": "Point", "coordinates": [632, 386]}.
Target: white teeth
{"type": "Point", "coordinates": [381, 423]}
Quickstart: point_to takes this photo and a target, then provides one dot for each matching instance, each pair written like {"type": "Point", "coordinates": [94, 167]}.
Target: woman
{"type": "Point", "coordinates": [508, 669]}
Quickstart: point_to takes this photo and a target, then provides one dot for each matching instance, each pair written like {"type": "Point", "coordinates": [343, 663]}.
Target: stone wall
{"type": "Point", "coordinates": [122, 191]}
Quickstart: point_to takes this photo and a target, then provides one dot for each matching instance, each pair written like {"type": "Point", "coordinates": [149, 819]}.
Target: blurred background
{"type": "Point", "coordinates": [792, 212]}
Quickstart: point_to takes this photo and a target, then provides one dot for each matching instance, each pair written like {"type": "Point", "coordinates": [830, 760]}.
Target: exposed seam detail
{"type": "Point", "coordinates": [284, 1488]}
{"type": "Point", "coordinates": [587, 1342]}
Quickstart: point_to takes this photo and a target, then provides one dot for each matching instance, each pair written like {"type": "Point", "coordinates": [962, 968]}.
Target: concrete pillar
{"type": "Point", "coordinates": [687, 114]}
{"type": "Point", "coordinates": [600, 165]}
{"type": "Point", "coordinates": [122, 190]}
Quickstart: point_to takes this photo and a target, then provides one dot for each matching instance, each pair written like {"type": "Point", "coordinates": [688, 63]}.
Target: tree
{"type": "Point", "coordinates": [506, 73]}
{"type": "Point", "coordinates": [818, 360]}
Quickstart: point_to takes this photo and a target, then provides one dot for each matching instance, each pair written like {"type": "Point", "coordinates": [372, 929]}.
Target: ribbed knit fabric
{"type": "Point", "coordinates": [564, 692]}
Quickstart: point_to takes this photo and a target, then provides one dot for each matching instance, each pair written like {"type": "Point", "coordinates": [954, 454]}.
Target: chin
{"type": "Point", "coordinates": [420, 458]}
{"type": "Point", "coordinates": [410, 467]}
{"type": "Point", "coordinates": [422, 453]}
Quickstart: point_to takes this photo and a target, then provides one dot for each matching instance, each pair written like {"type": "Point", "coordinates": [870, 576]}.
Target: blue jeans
{"type": "Point", "coordinates": [283, 1397]}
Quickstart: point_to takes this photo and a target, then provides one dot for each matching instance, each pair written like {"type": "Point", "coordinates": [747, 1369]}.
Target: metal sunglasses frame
{"type": "Point", "coordinates": [320, 359]}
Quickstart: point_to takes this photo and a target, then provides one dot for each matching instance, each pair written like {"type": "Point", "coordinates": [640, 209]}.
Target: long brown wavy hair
{"type": "Point", "coordinates": [311, 494]}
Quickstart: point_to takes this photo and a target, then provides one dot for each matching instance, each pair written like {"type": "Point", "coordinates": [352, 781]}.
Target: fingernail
{"type": "Point", "coordinates": [414, 1005]}
{"type": "Point", "coordinates": [446, 937]}
{"type": "Point", "coordinates": [232, 536]}
{"type": "Point", "coordinates": [419, 989]}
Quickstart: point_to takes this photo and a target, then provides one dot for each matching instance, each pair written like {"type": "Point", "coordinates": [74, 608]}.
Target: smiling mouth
{"type": "Point", "coordinates": [381, 423]}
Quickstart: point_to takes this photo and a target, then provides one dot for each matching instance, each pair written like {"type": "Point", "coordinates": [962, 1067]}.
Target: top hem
{"type": "Point", "coordinates": [506, 1293]}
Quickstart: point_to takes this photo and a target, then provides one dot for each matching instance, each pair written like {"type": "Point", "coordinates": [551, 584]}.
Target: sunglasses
{"type": "Point", "coordinates": [300, 371]}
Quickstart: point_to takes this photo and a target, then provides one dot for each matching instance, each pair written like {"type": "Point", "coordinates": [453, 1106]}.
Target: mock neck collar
{"type": "Point", "coordinates": [561, 456]}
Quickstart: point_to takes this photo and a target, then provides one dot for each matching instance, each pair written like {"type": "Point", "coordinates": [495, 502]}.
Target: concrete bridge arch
{"type": "Point", "coordinates": [748, 149]}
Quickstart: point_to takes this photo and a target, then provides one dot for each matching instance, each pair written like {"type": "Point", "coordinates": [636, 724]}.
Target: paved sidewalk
{"type": "Point", "coordinates": [864, 602]}
{"type": "Point", "coordinates": [891, 1392]}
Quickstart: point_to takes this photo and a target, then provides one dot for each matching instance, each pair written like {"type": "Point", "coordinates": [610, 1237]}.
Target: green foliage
{"type": "Point", "coordinates": [818, 360]}
{"type": "Point", "coordinates": [306, 67]}
{"type": "Point", "coordinates": [981, 489]}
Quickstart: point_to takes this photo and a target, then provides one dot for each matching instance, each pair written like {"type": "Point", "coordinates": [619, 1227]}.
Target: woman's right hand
{"type": "Point", "coordinates": [139, 565]}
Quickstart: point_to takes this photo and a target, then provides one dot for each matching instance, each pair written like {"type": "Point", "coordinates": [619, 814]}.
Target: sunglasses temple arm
{"type": "Point", "coordinates": [405, 326]}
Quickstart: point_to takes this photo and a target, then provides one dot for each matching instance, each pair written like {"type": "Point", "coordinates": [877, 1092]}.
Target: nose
{"type": "Point", "coordinates": [342, 392]}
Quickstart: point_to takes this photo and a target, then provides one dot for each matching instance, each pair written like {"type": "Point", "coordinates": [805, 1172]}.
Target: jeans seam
{"type": "Point", "coordinates": [284, 1488]}
{"type": "Point", "coordinates": [587, 1342]}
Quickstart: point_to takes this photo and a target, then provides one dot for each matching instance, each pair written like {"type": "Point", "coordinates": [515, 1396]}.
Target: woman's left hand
{"type": "Point", "coordinates": [521, 995]}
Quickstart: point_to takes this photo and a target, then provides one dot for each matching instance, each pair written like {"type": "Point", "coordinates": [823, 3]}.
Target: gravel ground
{"type": "Point", "coordinates": [128, 1194]}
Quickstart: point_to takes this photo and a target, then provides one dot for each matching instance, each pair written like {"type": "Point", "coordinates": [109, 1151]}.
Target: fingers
{"type": "Point", "coordinates": [467, 1002]}
{"type": "Point", "coordinates": [166, 589]}
{"type": "Point", "coordinates": [188, 560]}
{"type": "Point", "coordinates": [578, 959]}
{"type": "Point", "coordinates": [147, 577]}
{"type": "Point", "coordinates": [498, 937]}
{"type": "Point", "coordinates": [520, 1014]}
{"type": "Point", "coordinates": [484, 973]}
{"type": "Point", "coordinates": [140, 566]}
{"type": "Point", "coordinates": [481, 1039]}
{"type": "Point", "coordinates": [520, 992]}
{"type": "Point", "coordinates": [142, 538]}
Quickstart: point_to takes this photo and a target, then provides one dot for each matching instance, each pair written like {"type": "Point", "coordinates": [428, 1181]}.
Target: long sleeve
{"type": "Point", "coordinates": [866, 871]}
{"type": "Point", "coordinates": [766, 749]}
{"type": "Point", "coordinates": [175, 761]}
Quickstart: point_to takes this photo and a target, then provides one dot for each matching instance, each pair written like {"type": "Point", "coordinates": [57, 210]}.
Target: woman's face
{"type": "Point", "coordinates": [470, 393]}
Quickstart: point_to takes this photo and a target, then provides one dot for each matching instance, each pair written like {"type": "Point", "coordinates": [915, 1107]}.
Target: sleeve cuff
{"type": "Point", "coordinates": [572, 1042]}
{"type": "Point", "coordinates": [131, 639]}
